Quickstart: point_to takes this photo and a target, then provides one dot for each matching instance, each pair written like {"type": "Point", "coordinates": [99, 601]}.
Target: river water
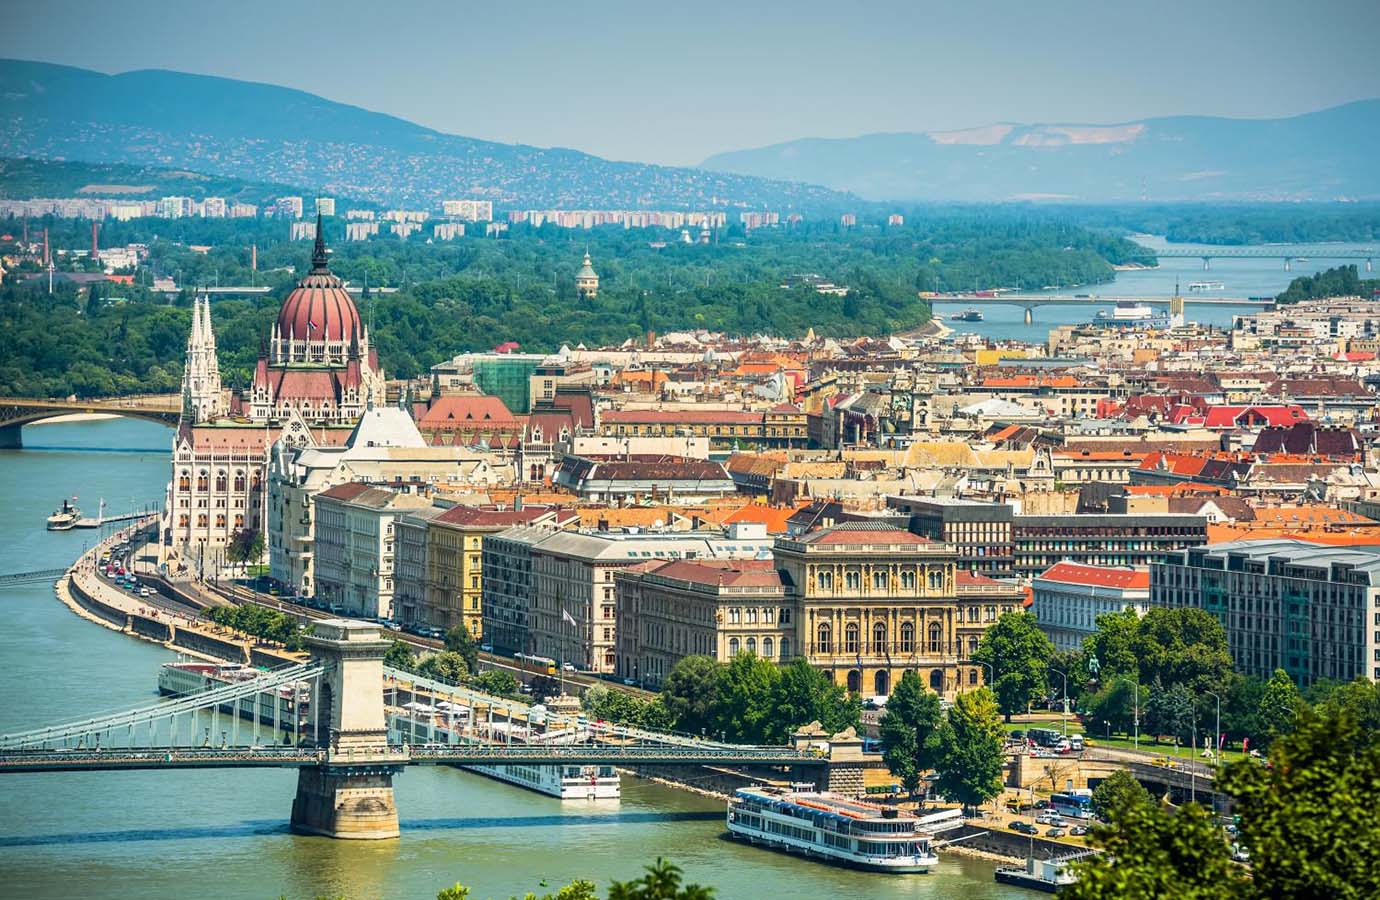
{"type": "Point", "coordinates": [1239, 277]}
{"type": "Point", "coordinates": [178, 835]}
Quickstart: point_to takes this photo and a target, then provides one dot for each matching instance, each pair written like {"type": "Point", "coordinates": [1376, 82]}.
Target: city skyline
{"type": "Point", "coordinates": [561, 78]}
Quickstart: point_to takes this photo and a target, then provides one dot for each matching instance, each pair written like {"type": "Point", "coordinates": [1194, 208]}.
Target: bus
{"type": "Point", "coordinates": [543, 664]}
{"type": "Point", "coordinates": [1044, 737]}
{"type": "Point", "coordinates": [1074, 805]}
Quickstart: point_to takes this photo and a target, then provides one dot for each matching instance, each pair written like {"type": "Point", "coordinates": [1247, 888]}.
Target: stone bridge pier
{"type": "Point", "coordinates": [350, 795]}
{"type": "Point", "coordinates": [843, 774]}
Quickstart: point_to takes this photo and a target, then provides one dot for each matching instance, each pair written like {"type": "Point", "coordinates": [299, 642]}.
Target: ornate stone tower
{"type": "Point", "coordinates": [587, 280]}
{"type": "Point", "coordinates": [202, 398]}
{"type": "Point", "coordinates": [350, 795]}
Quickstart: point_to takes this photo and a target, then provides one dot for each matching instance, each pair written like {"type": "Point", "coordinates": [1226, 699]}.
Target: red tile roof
{"type": "Point", "coordinates": [456, 411]}
{"type": "Point", "coordinates": [347, 491]}
{"type": "Point", "coordinates": [1098, 576]}
{"type": "Point", "coordinates": [862, 533]}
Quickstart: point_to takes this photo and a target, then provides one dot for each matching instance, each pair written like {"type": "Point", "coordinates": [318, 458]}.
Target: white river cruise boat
{"type": "Point", "coordinates": [831, 828]}
{"type": "Point", "coordinates": [445, 724]}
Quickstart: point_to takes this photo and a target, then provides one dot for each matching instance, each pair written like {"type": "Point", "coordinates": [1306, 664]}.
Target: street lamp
{"type": "Point", "coordinates": [1217, 734]}
{"type": "Point", "coordinates": [1065, 676]}
{"type": "Point", "coordinates": [1136, 682]}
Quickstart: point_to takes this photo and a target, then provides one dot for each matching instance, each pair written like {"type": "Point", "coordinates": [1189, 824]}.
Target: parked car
{"type": "Point", "coordinates": [1024, 827]}
{"type": "Point", "coordinates": [1078, 830]}
{"type": "Point", "coordinates": [1056, 832]}
{"type": "Point", "coordinates": [486, 648]}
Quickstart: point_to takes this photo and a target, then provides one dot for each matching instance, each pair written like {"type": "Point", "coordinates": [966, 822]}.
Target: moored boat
{"type": "Point", "coordinates": [831, 828]}
{"type": "Point", "coordinates": [65, 517]}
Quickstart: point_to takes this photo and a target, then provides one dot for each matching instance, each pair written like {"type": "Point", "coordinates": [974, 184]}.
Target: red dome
{"type": "Point", "coordinates": [318, 309]}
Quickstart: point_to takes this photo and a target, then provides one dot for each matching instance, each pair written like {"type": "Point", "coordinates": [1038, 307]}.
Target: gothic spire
{"type": "Point", "coordinates": [320, 263]}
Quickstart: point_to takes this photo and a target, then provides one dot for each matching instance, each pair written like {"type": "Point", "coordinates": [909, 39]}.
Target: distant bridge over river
{"type": "Point", "coordinates": [1288, 254]}
{"type": "Point", "coordinates": [16, 412]}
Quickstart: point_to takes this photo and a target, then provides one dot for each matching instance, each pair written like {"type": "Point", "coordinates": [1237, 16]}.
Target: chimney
{"type": "Point", "coordinates": [254, 257]}
{"type": "Point", "coordinates": [47, 254]}
{"type": "Point", "coordinates": [95, 245]}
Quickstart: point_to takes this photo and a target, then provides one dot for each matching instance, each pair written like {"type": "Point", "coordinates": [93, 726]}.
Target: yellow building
{"type": "Point", "coordinates": [875, 601]}
{"type": "Point", "coordinates": [454, 585]}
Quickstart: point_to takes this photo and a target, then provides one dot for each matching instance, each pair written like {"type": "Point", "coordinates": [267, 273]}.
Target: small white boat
{"type": "Point", "coordinates": [65, 518]}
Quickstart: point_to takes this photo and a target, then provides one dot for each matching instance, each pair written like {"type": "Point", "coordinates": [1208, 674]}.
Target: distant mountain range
{"type": "Point", "coordinates": [1327, 155]}
{"type": "Point", "coordinates": [264, 133]}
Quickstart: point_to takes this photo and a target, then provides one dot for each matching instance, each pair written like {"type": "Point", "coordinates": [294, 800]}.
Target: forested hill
{"type": "Point", "coordinates": [473, 294]}
{"type": "Point", "coordinates": [24, 179]}
{"type": "Point", "coordinates": [1343, 281]}
{"type": "Point", "coordinates": [263, 132]}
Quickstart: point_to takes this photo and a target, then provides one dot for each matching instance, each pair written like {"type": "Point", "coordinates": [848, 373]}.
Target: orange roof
{"type": "Point", "coordinates": [1098, 576]}
{"type": "Point", "coordinates": [1350, 537]}
{"type": "Point", "coordinates": [774, 517]}
{"type": "Point", "coordinates": [458, 410]}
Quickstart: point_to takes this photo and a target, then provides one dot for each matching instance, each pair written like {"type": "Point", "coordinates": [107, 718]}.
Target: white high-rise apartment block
{"type": "Point", "coordinates": [325, 206]}
{"type": "Point", "coordinates": [469, 210]}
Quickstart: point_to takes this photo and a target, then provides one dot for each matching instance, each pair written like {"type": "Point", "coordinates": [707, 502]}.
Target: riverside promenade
{"type": "Point", "coordinates": [157, 619]}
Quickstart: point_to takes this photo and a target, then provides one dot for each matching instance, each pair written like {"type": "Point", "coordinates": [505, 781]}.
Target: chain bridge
{"type": "Point", "coordinates": [342, 722]}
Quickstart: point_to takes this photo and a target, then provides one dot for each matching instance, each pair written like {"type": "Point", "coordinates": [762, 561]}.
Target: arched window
{"type": "Point", "coordinates": [220, 480]}
{"type": "Point", "coordinates": [202, 482]}
{"type": "Point", "coordinates": [854, 681]}
{"type": "Point", "coordinates": [184, 481]}
{"type": "Point", "coordinates": [879, 581]}
{"type": "Point", "coordinates": [972, 646]}
{"type": "Point", "coordinates": [907, 637]}
{"type": "Point", "coordinates": [201, 520]}
{"type": "Point", "coordinates": [879, 641]}
{"type": "Point", "coordinates": [937, 680]}
{"type": "Point", "coordinates": [239, 480]}
{"type": "Point", "coordinates": [220, 520]}
{"type": "Point", "coordinates": [825, 581]}
{"type": "Point", "coordinates": [733, 646]}
{"type": "Point", "coordinates": [767, 648]}
{"type": "Point", "coordinates": [972, 677]}
{"type": "Point", "coordinates": [908, 580]}
{"type": "Point", "coordinates": [752, 645]}
{"type": "Point", "coordinates": [785, 648]}
{"type": "Point", "coordinates": [881, 683]}
{"type": "Point", "coordinates": [936, 580]}
{"type": "Point", "coordinates": [936, 635]}
{"type": "Point", "coordinates": [852, 581]}
{"type": "Point", "coordinates": [850, 638]}
{"type": "Point", "coordinates": [825, 639]}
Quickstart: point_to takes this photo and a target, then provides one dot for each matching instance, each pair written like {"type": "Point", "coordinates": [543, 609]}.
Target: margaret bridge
{"type": "Point", "coordinates": [339, 720]}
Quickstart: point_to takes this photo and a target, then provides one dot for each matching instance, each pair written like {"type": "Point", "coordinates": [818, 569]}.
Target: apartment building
{"type": "Point", "coordinates": [1068, 597]}
{"type": "Point", "coordinates": [356, 545]}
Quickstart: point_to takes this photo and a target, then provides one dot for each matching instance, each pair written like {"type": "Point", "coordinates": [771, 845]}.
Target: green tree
{"type": "Point", "coordinates": [691, 693]}
{"type": "Point", "coordinates": [1169, 712]}
{"type": "Point", "coordinates": [496, 681]}
{"type": "Point", "coordinates": [459, 640]}
{"type": "Point", "coordinates": [444, 666]}
{"type": "Point", "coordinates": [744, 712]}
{"type": "Point", "coordinates": [1151, 853]}
{"type": "Point", "coordinates": [911, 731]}
{"type": "Point", "coordinates": [1182, 645]}
{"type": "Point", "coordinates": [1018, 652]}
{"type": "Point", "coordinates": [1113, 707]}
{"type": "Point", "coordinates": [1279, 703]}
{"type": "Point", "coordinates": [804, 694]}
{"type": "Point", "coordinates": [1115, 791]}
{"type": "Point", "coordinates": [400, 656]}
{"type": "Point", "coordinates": [972, 750]}
{"type": "Point", "coordinates": [662, 882]}
{"type": "Point", "coordinates": [1112, 645]}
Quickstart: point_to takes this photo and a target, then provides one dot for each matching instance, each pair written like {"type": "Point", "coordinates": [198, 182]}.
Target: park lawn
{"type": "Point", "coordinates": [1126, 742]}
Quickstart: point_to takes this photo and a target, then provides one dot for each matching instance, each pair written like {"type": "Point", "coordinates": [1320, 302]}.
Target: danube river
{"type": "Point", "coordinates": [180, 835]}
{"type": "Point", "coordinates": [1239, 278]}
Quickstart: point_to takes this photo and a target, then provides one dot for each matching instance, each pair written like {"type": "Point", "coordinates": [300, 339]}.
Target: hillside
{"type": "Point", "coordinates": [1325, 155]}
{"type": "Point", "coordinates": [261, 132]}
{"type": "Point", "coordinates": [28, 178]}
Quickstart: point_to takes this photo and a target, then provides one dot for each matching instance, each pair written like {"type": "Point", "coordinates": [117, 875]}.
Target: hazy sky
{"type": "Point", "coordinates": [675, 82]}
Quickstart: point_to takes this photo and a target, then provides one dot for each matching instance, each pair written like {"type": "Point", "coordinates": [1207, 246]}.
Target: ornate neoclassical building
{"type": "Point", "coordinates": [314, 380]}
{"type": "Point", "coordinates": [874, 600]}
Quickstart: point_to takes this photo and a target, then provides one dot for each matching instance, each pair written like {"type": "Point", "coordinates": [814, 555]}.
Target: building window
{"type": "Point", "coordinates": [879, 638]}
{"type": "Point", "coordinates": [825, 638]}
{"type": "Point", "coordinates": [733, 615]}
{"type": "Point", "coordinates": [850, 638]}
{"type": "Point", "coordinates": [936, 580]}
{"type": "Point", "coordinates": [936, 637]}
{"type": "Point", "coordinates": [879, 580]}
{"type": "Point", "coordinates": [766, 648]}
{"type": "Point", "coordinates": [825, 581]}
{"type": "Point", "coordinates": [785, 648]}
{"type": "Point", "coordinates": [785, 617]}
{"type": "Point", "coordinates": [852, 581]}
{"type": "Point", "coordinates": [907, 637]}
{"type": "Point", "coordinates": [752, 645]}
{"type": "Point", "coordinates": [972, 646]}
{"type": "Point", "coordinates": [908, 580]}
{"type": "Point", "coordinates": [733, 647]}
{"type": "Point", "coordinates": [972, 677]}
